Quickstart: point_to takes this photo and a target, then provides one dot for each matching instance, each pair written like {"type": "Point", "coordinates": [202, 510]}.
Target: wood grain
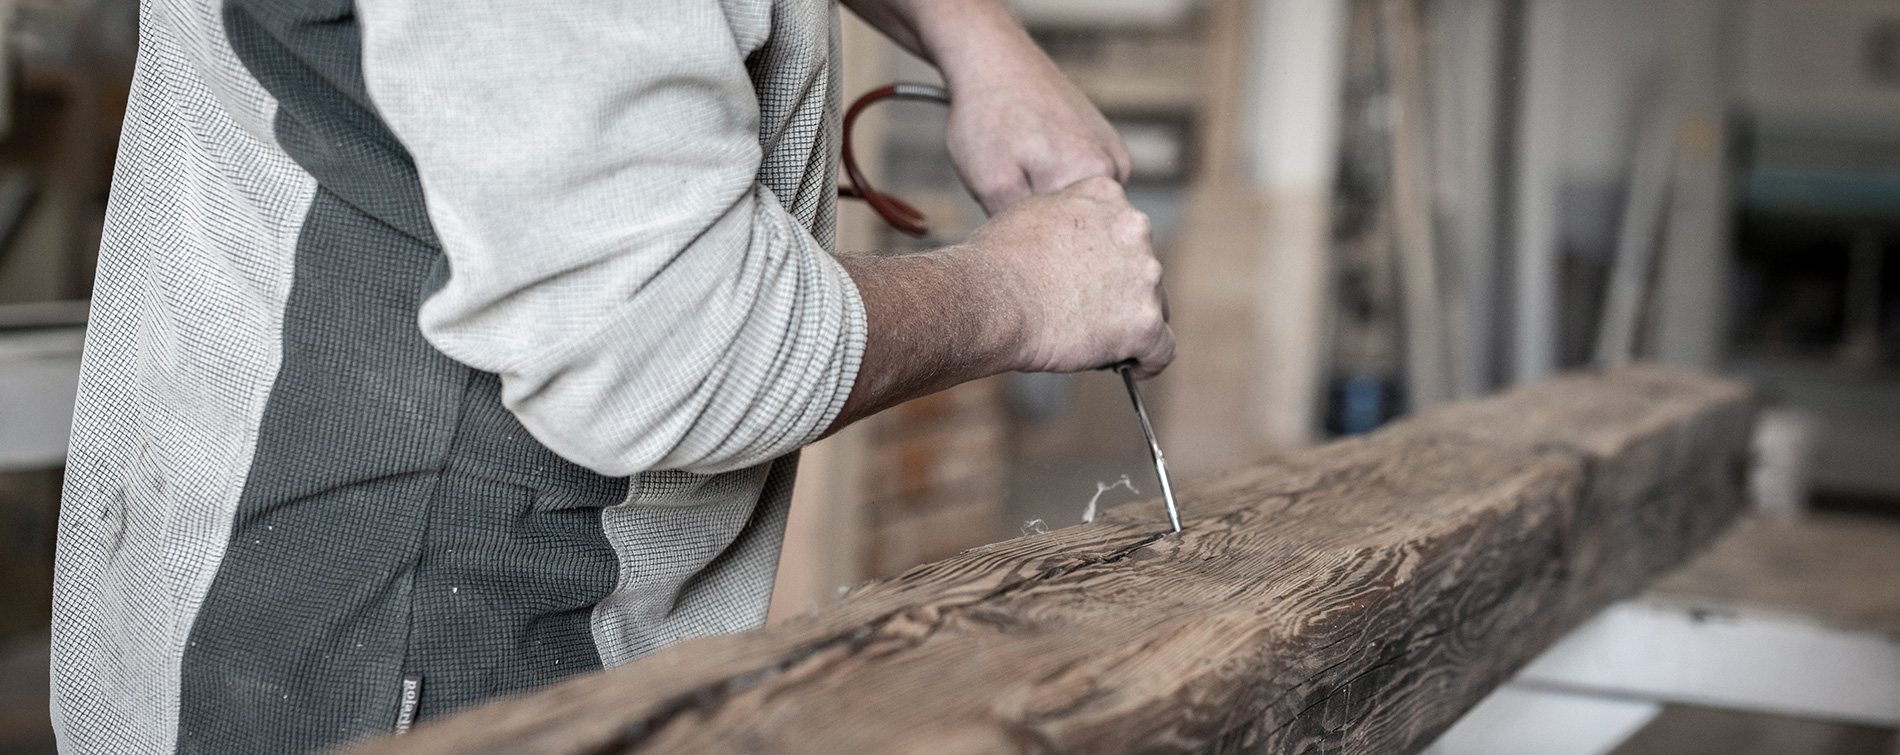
{"type": "Point", "coordinates": [1354, 599]}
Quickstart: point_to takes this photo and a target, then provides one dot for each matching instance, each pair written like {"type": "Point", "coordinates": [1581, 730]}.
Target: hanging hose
{"type": "Point", "coordinates": [895, 211]}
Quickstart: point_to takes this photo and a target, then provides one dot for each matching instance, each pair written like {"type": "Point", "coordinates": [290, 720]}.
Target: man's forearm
{"type": "Point", "coordinates": [934, 322]}
{"type": "Point", "coordinates": [969, 41]}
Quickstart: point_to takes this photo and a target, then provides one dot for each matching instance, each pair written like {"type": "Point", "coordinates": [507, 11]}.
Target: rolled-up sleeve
{"type": "Point", "coordinates": [590, 170]}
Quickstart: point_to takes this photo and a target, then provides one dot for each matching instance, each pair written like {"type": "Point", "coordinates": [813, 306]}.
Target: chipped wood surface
{"type": "Point", "coordinates": [1354, 599]}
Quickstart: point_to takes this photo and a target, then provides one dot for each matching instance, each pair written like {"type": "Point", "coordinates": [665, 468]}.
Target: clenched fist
{"type": "Point", "coordinates": [1079, 268]}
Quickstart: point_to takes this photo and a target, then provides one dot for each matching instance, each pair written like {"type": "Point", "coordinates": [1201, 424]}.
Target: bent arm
{"type": "Point", "coordinates": [590, 171]}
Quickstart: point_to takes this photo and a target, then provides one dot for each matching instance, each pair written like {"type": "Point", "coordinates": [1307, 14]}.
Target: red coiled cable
{"type": "Point", "coordinates": [895, 211]}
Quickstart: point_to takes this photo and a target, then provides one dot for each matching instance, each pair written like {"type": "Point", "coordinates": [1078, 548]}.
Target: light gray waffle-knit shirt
{"type": "Point", "coordinates": [441, 349]}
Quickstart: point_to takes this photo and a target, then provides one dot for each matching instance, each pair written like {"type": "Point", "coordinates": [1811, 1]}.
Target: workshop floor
{"type": "Point", "coordinates": [1702, 731]}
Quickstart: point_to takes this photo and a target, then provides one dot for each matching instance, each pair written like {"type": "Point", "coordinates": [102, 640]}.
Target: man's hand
{"type": "Point", "coordinates": [1032, 134]}
{"type": "Point", "coordinates": [1059, 282]}
{"type": "Point", "coordinates": [1078, 264]}
{"type": "Point", "coordinates": [1063, 277]}
{"type": "Point", "coordinates": [1017, 126]}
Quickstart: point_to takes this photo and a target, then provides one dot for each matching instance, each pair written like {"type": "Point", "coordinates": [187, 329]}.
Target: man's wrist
{"type": "Point", "coordinates": [994, 303]}
{"type": "Point", "coordinates": [985, 306]}
{"type": "Point", "coordinates": [972, 42]}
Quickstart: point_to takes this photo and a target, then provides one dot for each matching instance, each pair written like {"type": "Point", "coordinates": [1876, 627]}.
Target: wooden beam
{"type": "Point", "coordinates": [1353, 599]}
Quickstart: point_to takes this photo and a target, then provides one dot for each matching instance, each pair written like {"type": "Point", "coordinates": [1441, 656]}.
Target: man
{"type": "Point", "coordinates": [445, 348]}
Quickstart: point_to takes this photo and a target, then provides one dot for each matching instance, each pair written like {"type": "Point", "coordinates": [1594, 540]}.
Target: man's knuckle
{"type": "Point", "coordinates": [1132, 224]}
{"type": "Point", "coordinates": [1151, 315]}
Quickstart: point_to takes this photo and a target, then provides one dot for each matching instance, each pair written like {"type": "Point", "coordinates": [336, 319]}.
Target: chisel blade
{"type": "Point", "coordinates": [1154, 447]}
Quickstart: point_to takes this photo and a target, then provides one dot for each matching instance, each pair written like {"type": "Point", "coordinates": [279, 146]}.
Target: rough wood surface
{"type": "Point", "coordinates": [1355, 599]}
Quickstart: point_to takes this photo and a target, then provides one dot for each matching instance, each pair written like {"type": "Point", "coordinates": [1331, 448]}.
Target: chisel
{"type": "Point", "coordinates": [1154, 448]}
